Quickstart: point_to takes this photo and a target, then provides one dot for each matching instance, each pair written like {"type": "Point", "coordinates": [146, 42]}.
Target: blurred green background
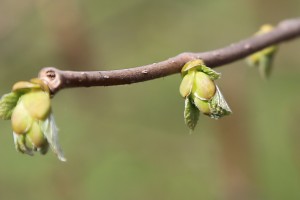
{"type": "Point", "coordinates": [130, 142]}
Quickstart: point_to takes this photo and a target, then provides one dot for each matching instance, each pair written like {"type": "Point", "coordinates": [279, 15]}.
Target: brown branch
{"type": "Point", "coordinates": [58, 79]}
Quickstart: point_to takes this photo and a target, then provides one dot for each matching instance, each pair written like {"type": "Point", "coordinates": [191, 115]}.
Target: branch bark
{"type": "Point", "coordinates": [57, 79]}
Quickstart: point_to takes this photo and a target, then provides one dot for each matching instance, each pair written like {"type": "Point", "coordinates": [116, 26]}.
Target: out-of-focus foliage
{"type": "Point", "coordinates": [130, 142]}
{"type": "Point", "coordinates": [263, 59]}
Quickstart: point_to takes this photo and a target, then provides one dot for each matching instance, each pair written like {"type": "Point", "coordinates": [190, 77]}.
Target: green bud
{"type": "Point", "coordinates": [201, 93]}
{"type": "Point", "coordinates": [20, 119]}
{"type": "Point", "coordinates": [204, 88]}
{"type": "Point", "coordinates": [265, 29]}
{"type": "Point", "coordinates": [263, 58]}
{"type": "Point", "coordinates": [41, 83]}
{"type": "Point", "coordinates": [36, 136]}
{"type": "Point", "coordinates": [24, 86]}
{"type": "Point", "coordinates": [193, 64]}
{"type": "Point", "coordinates": [37, 103]}
{"type": "Point", "coordinates": [186, 85]}
{"type": "Point", "coordinates": [203, 106]}
{"type": "Point", "coordinates": [29, 109]}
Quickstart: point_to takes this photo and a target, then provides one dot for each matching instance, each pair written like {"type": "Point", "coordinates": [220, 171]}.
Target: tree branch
{"type": "Point", "coordinates": [58, 79]}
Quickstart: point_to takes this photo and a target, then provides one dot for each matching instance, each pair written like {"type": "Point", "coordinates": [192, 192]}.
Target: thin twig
{"type": "Point", "coordinates": [58, 79]}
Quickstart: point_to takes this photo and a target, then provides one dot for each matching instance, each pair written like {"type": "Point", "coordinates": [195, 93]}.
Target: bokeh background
{"type": "Point", "coordinates": [130, 142]}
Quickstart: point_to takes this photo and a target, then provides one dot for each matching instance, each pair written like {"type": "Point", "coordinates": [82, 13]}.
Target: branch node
{"type": "Point", "coordinates": [52, 77]}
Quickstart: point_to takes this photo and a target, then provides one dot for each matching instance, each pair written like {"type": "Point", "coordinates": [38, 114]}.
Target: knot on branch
{"type": "Point", "coordinates": [52, 77]}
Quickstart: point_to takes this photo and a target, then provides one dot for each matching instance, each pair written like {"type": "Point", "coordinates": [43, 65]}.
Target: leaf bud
{"type": "Point", "coordinates": [24, 86]}
{"type": "Point", "coordinates": [203, 106]}
{"type": "Point", "coordinates": [204, 88]}
{"type": "Point", "coordinates": [37, 104]}
{"type": "Point", "coordinates": [20, 119]}
{"type": "Point", "coordinates": [187, 83]}
{"type": "Point", "coordinates": [35, 135]}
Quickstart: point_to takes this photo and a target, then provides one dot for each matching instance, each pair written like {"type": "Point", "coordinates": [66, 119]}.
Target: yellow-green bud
{"type": "Point", "coordinates": [203, 106]}
{"type": "Point", "coordinates": [186, 85]}
{"type": "Point", "coordinates": [20, 119]}
{"type": "Point", "coordinates": [24, 86]}
{"type": "Point", "coordinates": [190, 65]}
{"type": "Point", "coordinates": [204, 88]}
{"type": "Point", "coordinates": [35, 135]}
{"type": "Point", "coordinates": [37, 103]}
{"type": "Point", "coordinates": [28, 107]}
{"type": "Point", "coordinates": [41, 83]}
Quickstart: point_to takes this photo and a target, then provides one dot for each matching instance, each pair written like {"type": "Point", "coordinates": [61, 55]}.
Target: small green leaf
{"type": "Point", "coordinates": [191, 114]}
{"type": "Point", "coordinates": [210, 72]}
{"type": "Point", "coordinates": [265, 65]}
{"type": "Point", "coordinates": [50, 131]}
{"type": "Point", "coordinates": [7, 104]}
{"type": "Point", "coordinates": [219, 106]}
{"type": "Point", "coordinates": [186, 85]}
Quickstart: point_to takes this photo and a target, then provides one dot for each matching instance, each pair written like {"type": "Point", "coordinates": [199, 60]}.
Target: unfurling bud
{"type": "Point", "coordinates": [29, 108]}
{"type": "Point", "coordinates": [218, 106]}
{"type": "Point", "coordinates": [201, 93]}
{"type": "Point", "coordinates": [263, 59]}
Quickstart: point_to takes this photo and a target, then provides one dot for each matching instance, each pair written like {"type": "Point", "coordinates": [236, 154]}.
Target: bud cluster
{"type": "Point", "coordinates": [201, 93]}
{"type": "Point", "coordinates": [263, 59]}
{"type": "Point", "coordinates": [29, 108]}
